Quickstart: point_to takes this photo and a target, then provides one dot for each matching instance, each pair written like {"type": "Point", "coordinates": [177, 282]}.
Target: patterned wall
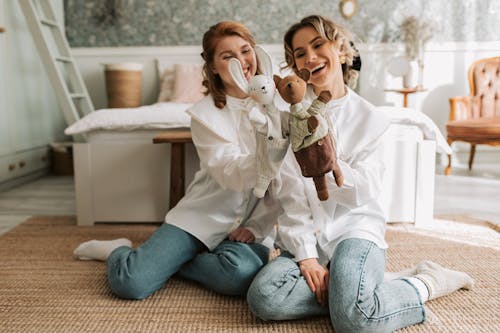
{"type": "Point", "coordinates": [93, 23]}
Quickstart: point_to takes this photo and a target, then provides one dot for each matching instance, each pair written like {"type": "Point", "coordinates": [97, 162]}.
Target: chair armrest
{"type": "Point", "coordinates": [460, 108]}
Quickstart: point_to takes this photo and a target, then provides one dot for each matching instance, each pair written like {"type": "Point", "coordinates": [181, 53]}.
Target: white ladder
{"type": "Point", "coordinates": [54, 50]}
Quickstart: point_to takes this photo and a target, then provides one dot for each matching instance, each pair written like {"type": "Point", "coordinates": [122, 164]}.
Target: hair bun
{"type": "Point", "coordinates": [356, 63]}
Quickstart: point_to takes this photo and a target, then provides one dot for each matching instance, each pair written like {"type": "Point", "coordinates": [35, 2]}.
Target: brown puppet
{"type": "Point", "coordinates": [311, 139]}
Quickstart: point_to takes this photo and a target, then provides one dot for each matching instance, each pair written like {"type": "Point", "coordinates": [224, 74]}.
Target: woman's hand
{"type": "Point", "coordinates": [243, 235]}
{"type": "Point", "coordinates": [317, 278]}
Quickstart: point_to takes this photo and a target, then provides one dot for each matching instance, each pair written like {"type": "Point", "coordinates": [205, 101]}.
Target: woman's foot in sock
{"type": "Point", "coordinates": [442, 281]}
{"type": "Point", "coordinates": [99, 250]}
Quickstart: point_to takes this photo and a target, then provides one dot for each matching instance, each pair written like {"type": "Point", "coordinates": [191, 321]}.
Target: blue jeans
{"type": "Point", "coordinates": [358, 299]}
{"type": "Point", "coordinates": [228, 269]}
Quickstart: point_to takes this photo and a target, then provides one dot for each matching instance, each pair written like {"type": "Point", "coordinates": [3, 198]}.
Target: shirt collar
{"type": "Point", "coordinates": [334, 104]}
{"type": "Point", "coordinates": [237, 104]}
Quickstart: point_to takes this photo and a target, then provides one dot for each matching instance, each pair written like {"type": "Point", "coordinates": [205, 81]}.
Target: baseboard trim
{"type": "Point", "coordinates": [15, 182]}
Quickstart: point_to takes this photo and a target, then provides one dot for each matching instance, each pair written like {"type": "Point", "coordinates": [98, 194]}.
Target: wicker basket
{"type": "Point", "coordinates": [62, 158]}
{"type": "Point", "coordinates": [123, 85]}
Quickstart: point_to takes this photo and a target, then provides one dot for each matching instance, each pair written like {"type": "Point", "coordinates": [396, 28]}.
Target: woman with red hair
{"type": "Point", "coordinates": [213, 236]}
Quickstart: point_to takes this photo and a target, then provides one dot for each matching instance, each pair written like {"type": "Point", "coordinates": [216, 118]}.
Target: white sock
{"type": "Point", "coordinates": [442, 281]}
{"type": "Point", "coordinates": [99, 250]}
{"type": "Point", "coordinates": [421, 287]}
{"type": "Point", "coordinates": [388, 276]}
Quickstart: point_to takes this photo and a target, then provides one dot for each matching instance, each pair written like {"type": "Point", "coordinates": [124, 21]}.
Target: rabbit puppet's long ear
{"type": "Point", "coordinates": [237, 74]}
{"type": "Point", "coordinates": [265, 61]}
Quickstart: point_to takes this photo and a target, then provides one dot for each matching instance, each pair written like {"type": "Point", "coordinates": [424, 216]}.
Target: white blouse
{"type": "Point", "coordinates": [353, 210]}
{"type": "Point", "coordinates": [220, 198]}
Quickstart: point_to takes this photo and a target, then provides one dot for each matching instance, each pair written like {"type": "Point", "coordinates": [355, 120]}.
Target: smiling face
{"type": "Point", "coordinates": [234, 47]}
{"type": "Point", "coordinates": [320, 56]}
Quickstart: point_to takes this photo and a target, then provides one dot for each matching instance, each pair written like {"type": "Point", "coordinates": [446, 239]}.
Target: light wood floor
{"type": "Point", "coordinates": [49, 195]}
{"type": "Point", "coordinates": [475, 193]}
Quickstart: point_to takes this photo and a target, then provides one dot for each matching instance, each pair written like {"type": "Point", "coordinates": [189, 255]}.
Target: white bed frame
{"type": "Point", "coordinates": [124, 177]}
{"type": "Point", "coordinates": [408, 187]}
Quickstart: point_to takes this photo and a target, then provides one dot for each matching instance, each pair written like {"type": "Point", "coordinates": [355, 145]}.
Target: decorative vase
{"type": "Point", "coordinates": [410, 78]}
{"type": "Point", "coordinates": [420, 81]}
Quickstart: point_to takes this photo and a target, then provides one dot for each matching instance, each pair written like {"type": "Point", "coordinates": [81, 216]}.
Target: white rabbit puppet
{"type": "Point", "coordinates": [271, 137]}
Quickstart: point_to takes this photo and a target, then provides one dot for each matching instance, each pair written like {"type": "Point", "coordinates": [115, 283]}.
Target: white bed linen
{"type": "Point", "coordinates": [407, 116]}
{"type": "Point", "coordinates": [155, 116]}
{"type": "Point", "coordinates": [121, 136]}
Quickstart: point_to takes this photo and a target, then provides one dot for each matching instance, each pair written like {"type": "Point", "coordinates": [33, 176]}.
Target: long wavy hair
{"type": "Point", "coordinates": [331, 31]}
{"type": "Point", "coordinates": [211, 81]}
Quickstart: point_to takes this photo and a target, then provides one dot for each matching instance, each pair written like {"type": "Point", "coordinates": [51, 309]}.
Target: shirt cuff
{"type": "Point", "coordinates": [305, 252]}
{"type": "Point", "coordinates": [258, 237]}
{"type": "Point", "coordinates": [346, 172]}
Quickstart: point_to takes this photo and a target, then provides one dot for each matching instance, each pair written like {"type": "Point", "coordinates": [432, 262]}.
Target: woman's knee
{"type": "Point", "coordinates": [233, 281]}
{"type": "Point", "coordinates": [262, 305]}
{"type": "Point", "coordinates": [267, 295]}
{"type": "Point", "coordinates": [124, 282]}
{"type": "Point", "coordinates": [238, 266]}
{"type": "Point", "coordinates": [130, 287]}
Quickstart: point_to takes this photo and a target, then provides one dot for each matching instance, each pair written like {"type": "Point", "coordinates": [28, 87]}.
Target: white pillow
{"type": "Point", "coordinates": [155, 116]}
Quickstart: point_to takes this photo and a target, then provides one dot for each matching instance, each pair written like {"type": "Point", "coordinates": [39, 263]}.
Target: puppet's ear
{"type": "Point", "coordinates": [304, 74]}
{"type": "Point", "coordinates": [277, 80]}
{"type": "Point", "coordinates": [265, 61]}
{"type": "Point", "coordinates": [237, 75]}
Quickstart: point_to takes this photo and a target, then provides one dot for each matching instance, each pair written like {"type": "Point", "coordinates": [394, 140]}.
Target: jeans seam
{"type": "Point", "coordinates": [421, 304]}
{"type": "Point", "coordinates": [361, 282]}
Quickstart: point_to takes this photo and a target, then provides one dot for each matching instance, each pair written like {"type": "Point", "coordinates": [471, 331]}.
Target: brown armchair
{"type": "Point", "coordinates": [476, 118]}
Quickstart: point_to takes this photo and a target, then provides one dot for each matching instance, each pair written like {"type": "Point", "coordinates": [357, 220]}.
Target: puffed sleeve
{"type": "Point", "coordinates": [224, 160]}
{"type": "Point", "coordinates": [363, 176]}
{"type": "Point", "coordinates": [296, 230]}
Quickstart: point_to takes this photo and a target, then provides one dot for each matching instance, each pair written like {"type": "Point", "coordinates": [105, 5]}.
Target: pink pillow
{"type": "Point", "coordinates": [188, 83]}
{"type": "Point", "coordinates": [167, 85]}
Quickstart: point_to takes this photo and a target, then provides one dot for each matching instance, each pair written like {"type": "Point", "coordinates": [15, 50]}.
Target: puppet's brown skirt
{"type": "Point", "coordinates": [317, 159]}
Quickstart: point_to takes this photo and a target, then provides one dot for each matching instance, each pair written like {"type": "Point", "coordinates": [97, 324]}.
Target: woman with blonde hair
{"type": "Point", "coordinates": [336, 266]}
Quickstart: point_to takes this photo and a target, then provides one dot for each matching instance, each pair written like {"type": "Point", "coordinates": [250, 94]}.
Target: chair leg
{"type": "Point", "coordinates": [471, 156]}
{"type": "Point", "coordinates": [447, 170]}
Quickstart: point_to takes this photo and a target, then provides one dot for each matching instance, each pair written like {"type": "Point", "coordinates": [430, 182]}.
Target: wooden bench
{"type": "Point", "coordinates": [177, 162]}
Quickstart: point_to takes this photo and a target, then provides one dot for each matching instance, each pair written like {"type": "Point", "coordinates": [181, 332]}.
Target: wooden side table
{"type": "Point", "coordinates": [406, 92]}
{"type": "Point", "coordinates": [177, 161]}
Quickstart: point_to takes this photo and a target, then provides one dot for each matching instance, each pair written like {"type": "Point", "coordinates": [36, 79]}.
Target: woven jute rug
{"type": "Point", "coordinates": [43, 289]}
